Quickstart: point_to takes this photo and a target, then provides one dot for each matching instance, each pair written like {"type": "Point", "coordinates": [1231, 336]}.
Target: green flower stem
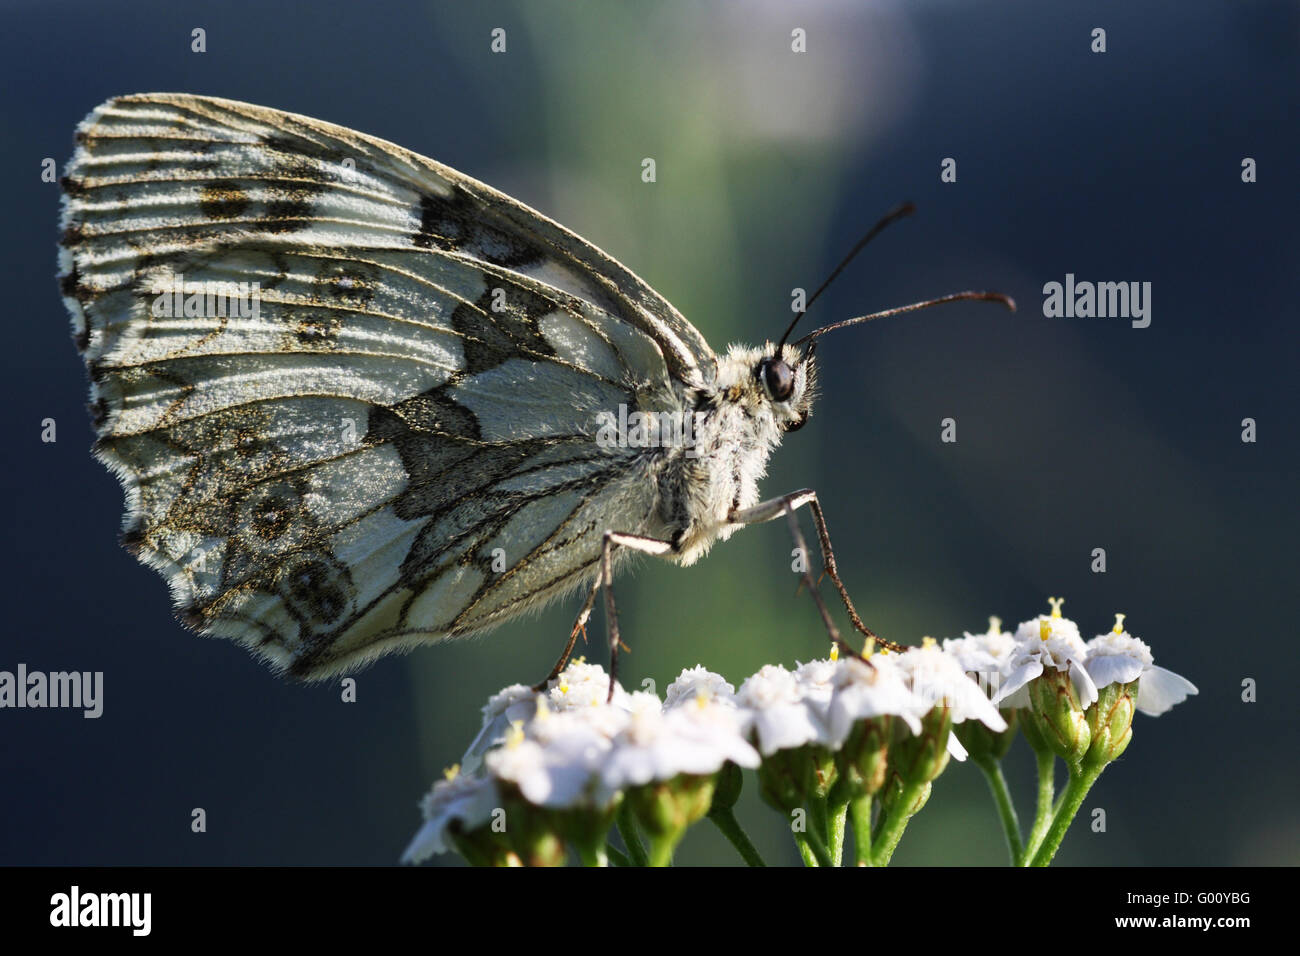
{"type": "Point", "coordinates": [817, 817]}
{"type": "Point", "coordinates": [805, 850]}
{"type": "Point", "coordinates": [661, 847]}
{"type": "Point", "coordinates": [1044, 812]}
{"type": "Point", "coordinates": [1060, 799]}
{"type": "Point", "coordinates": [895, 822]}
{"type": "Point", "coordinates": [837, 814]}
{"type": "Point", "coordinates": [1080, 783]}
{"type": "Point", "coordinates": [818, 844]}
{"type": "Point", "coordinates": [1006, 808]}
{"type": "Point", "coordinates": [812, 847]}
{"type": "Point", "coordinates": [860, 811]}
{"type": "Point", "coordinates": [725, 820]}
{"type": "Point", "coordinates": [627, 829]}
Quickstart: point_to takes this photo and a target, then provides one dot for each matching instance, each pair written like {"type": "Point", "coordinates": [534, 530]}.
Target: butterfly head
{"type": "Point", "coordinates": [788, 380]}
{"type": "Point", "coordinates": [776, 383]}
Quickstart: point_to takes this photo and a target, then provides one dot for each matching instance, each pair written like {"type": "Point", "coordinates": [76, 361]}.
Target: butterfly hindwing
{"type": "Point", "coordinates": [385, 435]}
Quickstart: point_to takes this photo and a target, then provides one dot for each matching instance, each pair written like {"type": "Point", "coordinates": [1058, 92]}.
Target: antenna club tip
{"type": "Point", "coordinates": [1000, 297]}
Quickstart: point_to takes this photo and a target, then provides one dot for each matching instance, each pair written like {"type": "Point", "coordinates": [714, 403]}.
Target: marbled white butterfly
{"type": "Point", "coordinates": [359, 401]}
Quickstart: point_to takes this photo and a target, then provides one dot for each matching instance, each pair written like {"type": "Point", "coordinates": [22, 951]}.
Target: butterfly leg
{"type": "Point", "coordinates": [787, 505]}
{"type": "Point", "coordinates": [636, 542]}
{"type": "Point", "coordinates": [578, 626]}
{"type": "Point", "coordinates": [605, 579]}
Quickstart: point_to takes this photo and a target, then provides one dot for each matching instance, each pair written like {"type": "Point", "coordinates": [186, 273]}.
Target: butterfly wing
{"type": "Point", "coordinates": [351, 394]}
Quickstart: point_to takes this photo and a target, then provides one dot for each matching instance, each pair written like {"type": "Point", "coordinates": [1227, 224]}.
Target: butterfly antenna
{"type": "Point", "coordinates": [1006, 300]}
{"type": "Point", "coordinates": [902, 211]}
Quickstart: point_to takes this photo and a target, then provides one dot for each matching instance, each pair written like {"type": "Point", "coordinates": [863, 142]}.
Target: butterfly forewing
{"type": "Point", "coordinates": [386, 435]}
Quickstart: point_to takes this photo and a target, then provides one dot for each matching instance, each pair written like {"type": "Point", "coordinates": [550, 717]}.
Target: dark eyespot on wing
{"type": "Point", "coordinates": [316, 588]}
{"type": "Point", "coordinates": [272, 508]}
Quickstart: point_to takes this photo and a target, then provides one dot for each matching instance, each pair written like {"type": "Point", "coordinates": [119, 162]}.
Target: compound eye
{"type": "Point", "coordinates": [778, 377]}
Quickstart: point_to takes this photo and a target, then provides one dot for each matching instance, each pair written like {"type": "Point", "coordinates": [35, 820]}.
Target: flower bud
{"type": "Point", "coordinates": [921, 758]}
{"type": "Point", "coordinates": [864, 759]}
{"type": "Point", "coordinates": [787, 777]}
{"type": "Point", "coordinates": [665, 808]}
{"type": "Point", "coordinates": [1110, 721]}
{"type": "Point", "coordinates": [1060, 720]}
{"type": "Point", "coordinates": [532, 832]}
{"type": "Point", "coordinates": [1037, 742]}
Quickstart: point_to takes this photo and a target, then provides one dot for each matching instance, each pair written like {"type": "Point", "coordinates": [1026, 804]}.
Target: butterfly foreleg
{"type": "Point", "coordinates": [787, 505]}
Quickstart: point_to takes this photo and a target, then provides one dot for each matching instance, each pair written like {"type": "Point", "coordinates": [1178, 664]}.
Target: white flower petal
{"type": "Point", "coordinates": [1113, 669]}
{"type": "Point", "coordinates": [938, 680]}
{"type": "Point", "coordinates": [1083, 685]}
{"type": "Point", "coordinates": [863, 691]}
{"type": "Point", "coordinates": [556, 766]}
{"type": "Point", "coordinates": [1161, 689]}
{"type": "Point", "coordinates": [583, 685]}
{"type": "Point", "coordinates": [1125, 657]}
{"type": "Point", "coordinates": [465, 798]}
{"type": "Point", "coordinates": [1016, 700]}
{"type": "Point", "coordinates": [814, 680]}
{"type": "Point", "coordinates": [695, 738]}
{"type": "Point", "coordinates": [427, 842]}
{"type": "Point", "coordinates": [784, 726]}
{"type": "Point", "coordinates": [955, 749]}
{"type": "Point", "coordinates": [695, 683]}
{"type": "Point", "coordinates": [1017, 679]}
{"type": "Point", "coordinates": [514, 703]}
{"type": "Point", "coordinates": [775, 710]}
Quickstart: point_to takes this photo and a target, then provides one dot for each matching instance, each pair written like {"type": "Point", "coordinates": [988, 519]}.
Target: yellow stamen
{"type": "Point", "coordinates": [870, 647]}
{"type": "Point", "coordinates": [516, 735]}
{"type": "Point", "coordinates": [564, 686]}
{"type": "Point", "coordinates": [452, 772]}
{"type": "Point", "coordinates": [995, 625]}
{"type": "Point", "coordinates": [928, 642]}
{"type": "Point", "coordinates": [543, 711]}
{"type": "Point", "coordinates": [1044, 628]}
{"type": "Point", "coordinates": [835, 652]}
{"type": "Point", "coordinates": [1056, 605]}
{"type": "Point", "coordinates": [1119, 623]}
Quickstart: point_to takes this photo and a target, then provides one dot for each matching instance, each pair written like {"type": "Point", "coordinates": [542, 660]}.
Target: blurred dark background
{"type": "Point", "coordinates": [1073, 434]}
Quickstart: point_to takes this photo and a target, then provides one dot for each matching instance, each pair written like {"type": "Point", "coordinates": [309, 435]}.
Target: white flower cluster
{"type": "Point", "coordinates": [1006, 664]}
{"type": "Point", "coordinates": [568, 749]}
